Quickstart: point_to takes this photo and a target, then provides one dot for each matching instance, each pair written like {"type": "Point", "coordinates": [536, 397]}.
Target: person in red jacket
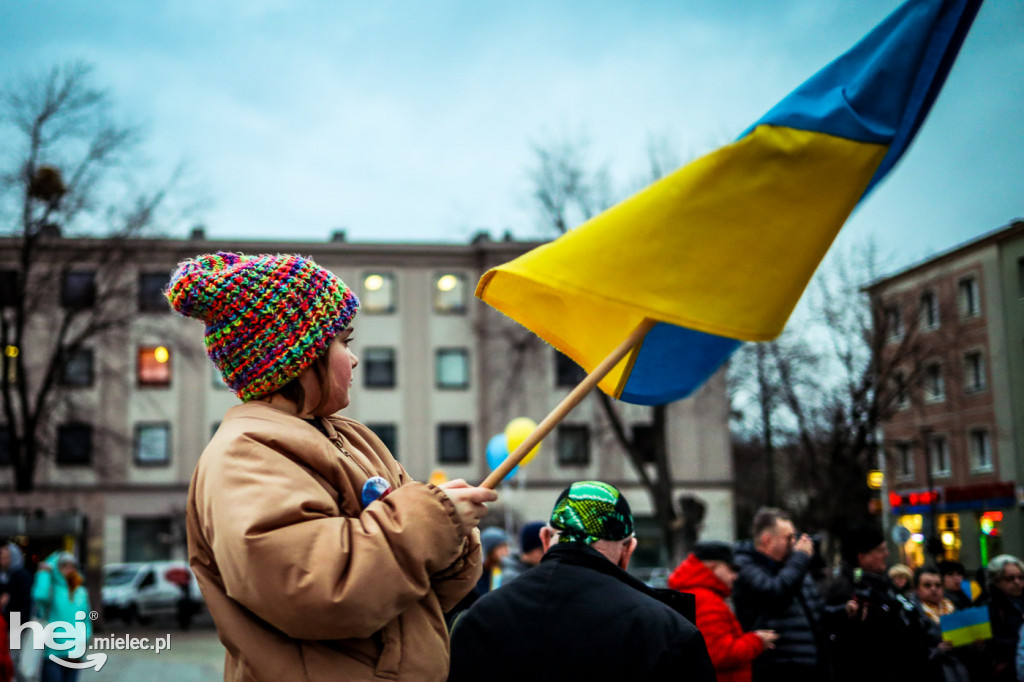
{"type": "Point", "coordinates": [708, 574]}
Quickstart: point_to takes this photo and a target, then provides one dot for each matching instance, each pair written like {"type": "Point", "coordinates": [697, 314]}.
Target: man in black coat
{"type": "Point", "coordinates": [874, 633]}
{"type": "Point", "coordinates": [774, 590]}
{"type": "Point", "coordinates": [578, 615]}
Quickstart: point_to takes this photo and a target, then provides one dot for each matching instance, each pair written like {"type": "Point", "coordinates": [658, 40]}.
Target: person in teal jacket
{"type": "Point", "coordinates": [59, 594]}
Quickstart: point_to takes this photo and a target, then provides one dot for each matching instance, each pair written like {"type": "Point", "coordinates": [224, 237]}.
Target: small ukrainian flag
{"type": "Point", "coordinates": [966, 626]}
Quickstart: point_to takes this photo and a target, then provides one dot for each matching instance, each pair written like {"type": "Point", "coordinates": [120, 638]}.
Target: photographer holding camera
{"type": "Point", "coordinates": [873, 632]}
{"type": "Point", "coordinates": [775, 590]}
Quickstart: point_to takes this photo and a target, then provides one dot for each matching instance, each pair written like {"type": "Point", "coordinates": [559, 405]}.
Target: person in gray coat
{"type": "Point", "coordinates": [775, 591]}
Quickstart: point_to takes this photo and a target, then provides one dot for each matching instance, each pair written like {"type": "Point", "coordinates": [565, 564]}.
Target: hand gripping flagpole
{"type": "Point", "coordinates": [568, 403]}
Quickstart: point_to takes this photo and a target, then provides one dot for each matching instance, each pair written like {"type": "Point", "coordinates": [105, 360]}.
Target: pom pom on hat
{"type": "Point", "coordinates": [267, 317]}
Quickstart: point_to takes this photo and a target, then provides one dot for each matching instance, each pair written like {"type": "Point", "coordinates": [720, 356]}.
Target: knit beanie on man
{"type": "Point", "coordinates": [267, 317]}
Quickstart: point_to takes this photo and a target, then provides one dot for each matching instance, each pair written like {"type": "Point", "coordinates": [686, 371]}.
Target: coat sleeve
{"type": "Point", "coordinates": [728, 646]}
{"type": "Point", "coordinates": [775, 591]}
{"type": "Point", "coordinates": [284, 552]}
{"type": "Point", "coordinates": [460, 578]}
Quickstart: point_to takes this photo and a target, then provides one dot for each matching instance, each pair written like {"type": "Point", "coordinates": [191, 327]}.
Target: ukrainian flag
{"type": "Point", "coordinates": [720, 251]}
{"type": "Point", "coordinates": [966, 626]}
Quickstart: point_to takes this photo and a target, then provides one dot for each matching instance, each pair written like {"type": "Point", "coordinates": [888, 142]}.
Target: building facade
{"type": "Point", "coordinates": [955, 444]}
{"type": "Point", "coordinates": [440, 374]}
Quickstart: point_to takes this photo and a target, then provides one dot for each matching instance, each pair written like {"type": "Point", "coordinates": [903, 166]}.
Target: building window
{"type": "Point", "coordinates": [450, 293]}
{"type": "Point", "coordinates": [153, 443]}
{"type": "Point", "coordinates": [154, 366]}
{"type": "Point", "coordinates": [934, 384]}
{"type": "Point", "coordinates": [904, 460]}
{"type": "Point", "coordinates": [78, 289]}
{"type": "Point", "coordinates": [147, 540]}
{"type": "Point", "coordinates": [378, 293]}
{"type": "Point", "coordinates": [453, 443]}
{"type": "Point", "coordinates": [74, 444]}
{"type": "Point", "coordinates": [981, 450]}
{"type": "Point", "coordinates": [643, 439]}
{"type": "Point", "coordinates": [974, 372]}
{"type": "Point", "coordinates": [388, 434]}
{"type": "Point", "coordinates": [970, 304]}
{"type": "Point", "coordinates": [929, 310]}
{"type": "Point", "coordinates": [8, 288]}
{"type": "Point", "coordinates": [452, 368]}
{"type": "Point", "coordinates": [573, 443]}
{"type": "Point", "coordinates": [567, 373]}
{"type": "Point", "coordinates": [894, 322]}
{"type": "Point", "coordinates": [938, 451]}
{"type": "Point", "coordinates": [151, 292]}
{"type": "Point", "coordinates": [76, 368]}
{"type": "Point", "coordinates": [378, 367]}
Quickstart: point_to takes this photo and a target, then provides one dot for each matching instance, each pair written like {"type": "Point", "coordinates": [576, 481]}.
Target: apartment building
{"type": "Point", "coordinates": [955, 444]}
{"type": "Point", "coordinates": [440, 373]}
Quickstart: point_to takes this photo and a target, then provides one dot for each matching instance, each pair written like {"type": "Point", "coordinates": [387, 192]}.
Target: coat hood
{"type": "Point", "coordinates": [692, 573]}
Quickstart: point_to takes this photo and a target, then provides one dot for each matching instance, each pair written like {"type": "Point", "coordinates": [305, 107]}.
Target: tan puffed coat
{"type": "Point", "coordinates": [302, 582]}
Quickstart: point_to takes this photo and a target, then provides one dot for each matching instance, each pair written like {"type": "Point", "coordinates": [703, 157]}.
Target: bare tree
{"type": "Point", "coordinates": [819, 393]}
{"type": "Point", "coordinates": [70, 201]}
{"type": "Point", "coordinates": [567, 193]}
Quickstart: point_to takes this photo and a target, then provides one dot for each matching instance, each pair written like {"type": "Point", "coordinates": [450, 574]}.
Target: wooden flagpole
{"type": "Point", "coordinates": [568, 403]}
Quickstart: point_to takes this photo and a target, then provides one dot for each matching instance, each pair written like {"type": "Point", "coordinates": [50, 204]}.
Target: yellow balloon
{"type": "Point", "coordinates": [516, 432]}
{"type": "Point", "coordinates": [437, 477]}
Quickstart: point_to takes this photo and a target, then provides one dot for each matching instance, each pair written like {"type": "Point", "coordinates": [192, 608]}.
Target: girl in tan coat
{"type": "Point", "coordinates": [319, 558]}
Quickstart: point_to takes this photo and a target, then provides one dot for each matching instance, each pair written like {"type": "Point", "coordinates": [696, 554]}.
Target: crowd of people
{"type": "Point", "coordinates": [768, 609]}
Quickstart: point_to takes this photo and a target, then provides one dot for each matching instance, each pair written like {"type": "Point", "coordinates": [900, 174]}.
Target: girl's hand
{"type": "Point", "coordinates": [470, 501]}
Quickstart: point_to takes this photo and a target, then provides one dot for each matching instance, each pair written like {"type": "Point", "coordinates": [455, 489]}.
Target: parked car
{"type": "Point", "coordinates": [140, 591]}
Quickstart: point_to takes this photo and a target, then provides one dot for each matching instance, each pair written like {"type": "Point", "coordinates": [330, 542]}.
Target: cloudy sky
{"type": "Point", "coordinates": [407, 121]}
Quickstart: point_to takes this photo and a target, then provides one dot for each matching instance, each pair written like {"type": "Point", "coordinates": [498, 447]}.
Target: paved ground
{"type": "Point", "coordinates": [194, 656]}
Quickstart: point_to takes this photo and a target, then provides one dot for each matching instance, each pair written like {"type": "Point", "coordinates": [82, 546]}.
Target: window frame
{"type": "Point", "coordinates": [461, 427]}
{"type": "Point", "coordinates": [930, 315]}
{"type": "Point", "coordinates": [66, 360]}
{"type": "Point", "coordinates": [366, 306]}
{"type": "Point", "coordinates": [369, 378]}
{"type": "Point", "coordinates": [974, 372]}
{"type": "Point", "coordinates": [562, 435]}
{"type": "Point", "coordinates": [974, 299]}
{"type": "Point", "coordinates": [143, 302]}
{"type": "Point", "coordinates": [437, 293]}
{"type": "Point", "coordinates": [467, 366]}
{"type": "Point", "coordinates": [70, 300]}
{"type": "Point", "coordinates": [137, 442]}
{"type": "Point", "coordinates": [379, 428]}
{"type": "Point", "coordinates": [904, 460]}
{"type": "Point", "coordinates": [143, 384]}
{"type": "Point", "coordinates": [934, 440]}
{"type": "Point", "coordinates": [929, 396]}
{"type": "Point", "coordinates": [894, 322]}
{"type": "Point", "coordinates": [976, 467]}
{"type": "Point", "coordinates": [71, 427]}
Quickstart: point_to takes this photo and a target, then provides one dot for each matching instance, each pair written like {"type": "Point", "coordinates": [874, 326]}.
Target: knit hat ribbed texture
{"type": "Point", "coordinates": [267, 317]}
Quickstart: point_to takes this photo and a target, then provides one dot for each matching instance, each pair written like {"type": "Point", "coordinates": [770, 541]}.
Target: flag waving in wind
{"type": "Point", "coordinates": [720, 251]}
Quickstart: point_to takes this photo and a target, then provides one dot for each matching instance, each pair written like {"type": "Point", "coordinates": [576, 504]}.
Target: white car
{"type": "Point", "coordinates": [140, 591]}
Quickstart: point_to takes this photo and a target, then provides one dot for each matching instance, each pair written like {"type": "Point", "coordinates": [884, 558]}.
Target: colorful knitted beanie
{"type": "Point", "coordinates": [588, 511]}
{"type": "Point", "coordinates": [267, 317]}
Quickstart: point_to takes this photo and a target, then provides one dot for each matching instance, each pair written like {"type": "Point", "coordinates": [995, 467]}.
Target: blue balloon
{"type": "Point", "coordinates": [497, 452]}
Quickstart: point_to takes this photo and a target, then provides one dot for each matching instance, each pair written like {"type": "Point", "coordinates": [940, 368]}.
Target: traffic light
{"type": "Point", "coordinates": [990, 523]}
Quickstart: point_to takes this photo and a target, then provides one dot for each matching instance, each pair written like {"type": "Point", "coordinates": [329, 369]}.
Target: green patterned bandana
{"type": "Point", "coordinates": [588, 511]}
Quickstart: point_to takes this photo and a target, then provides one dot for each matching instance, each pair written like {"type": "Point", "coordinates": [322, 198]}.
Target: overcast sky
{"type": "Point", "coordinates": [407, 121]}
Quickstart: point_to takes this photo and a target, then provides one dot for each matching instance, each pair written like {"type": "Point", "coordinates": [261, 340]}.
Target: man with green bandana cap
{"type": "Point", "coordinates": [578, 615]}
